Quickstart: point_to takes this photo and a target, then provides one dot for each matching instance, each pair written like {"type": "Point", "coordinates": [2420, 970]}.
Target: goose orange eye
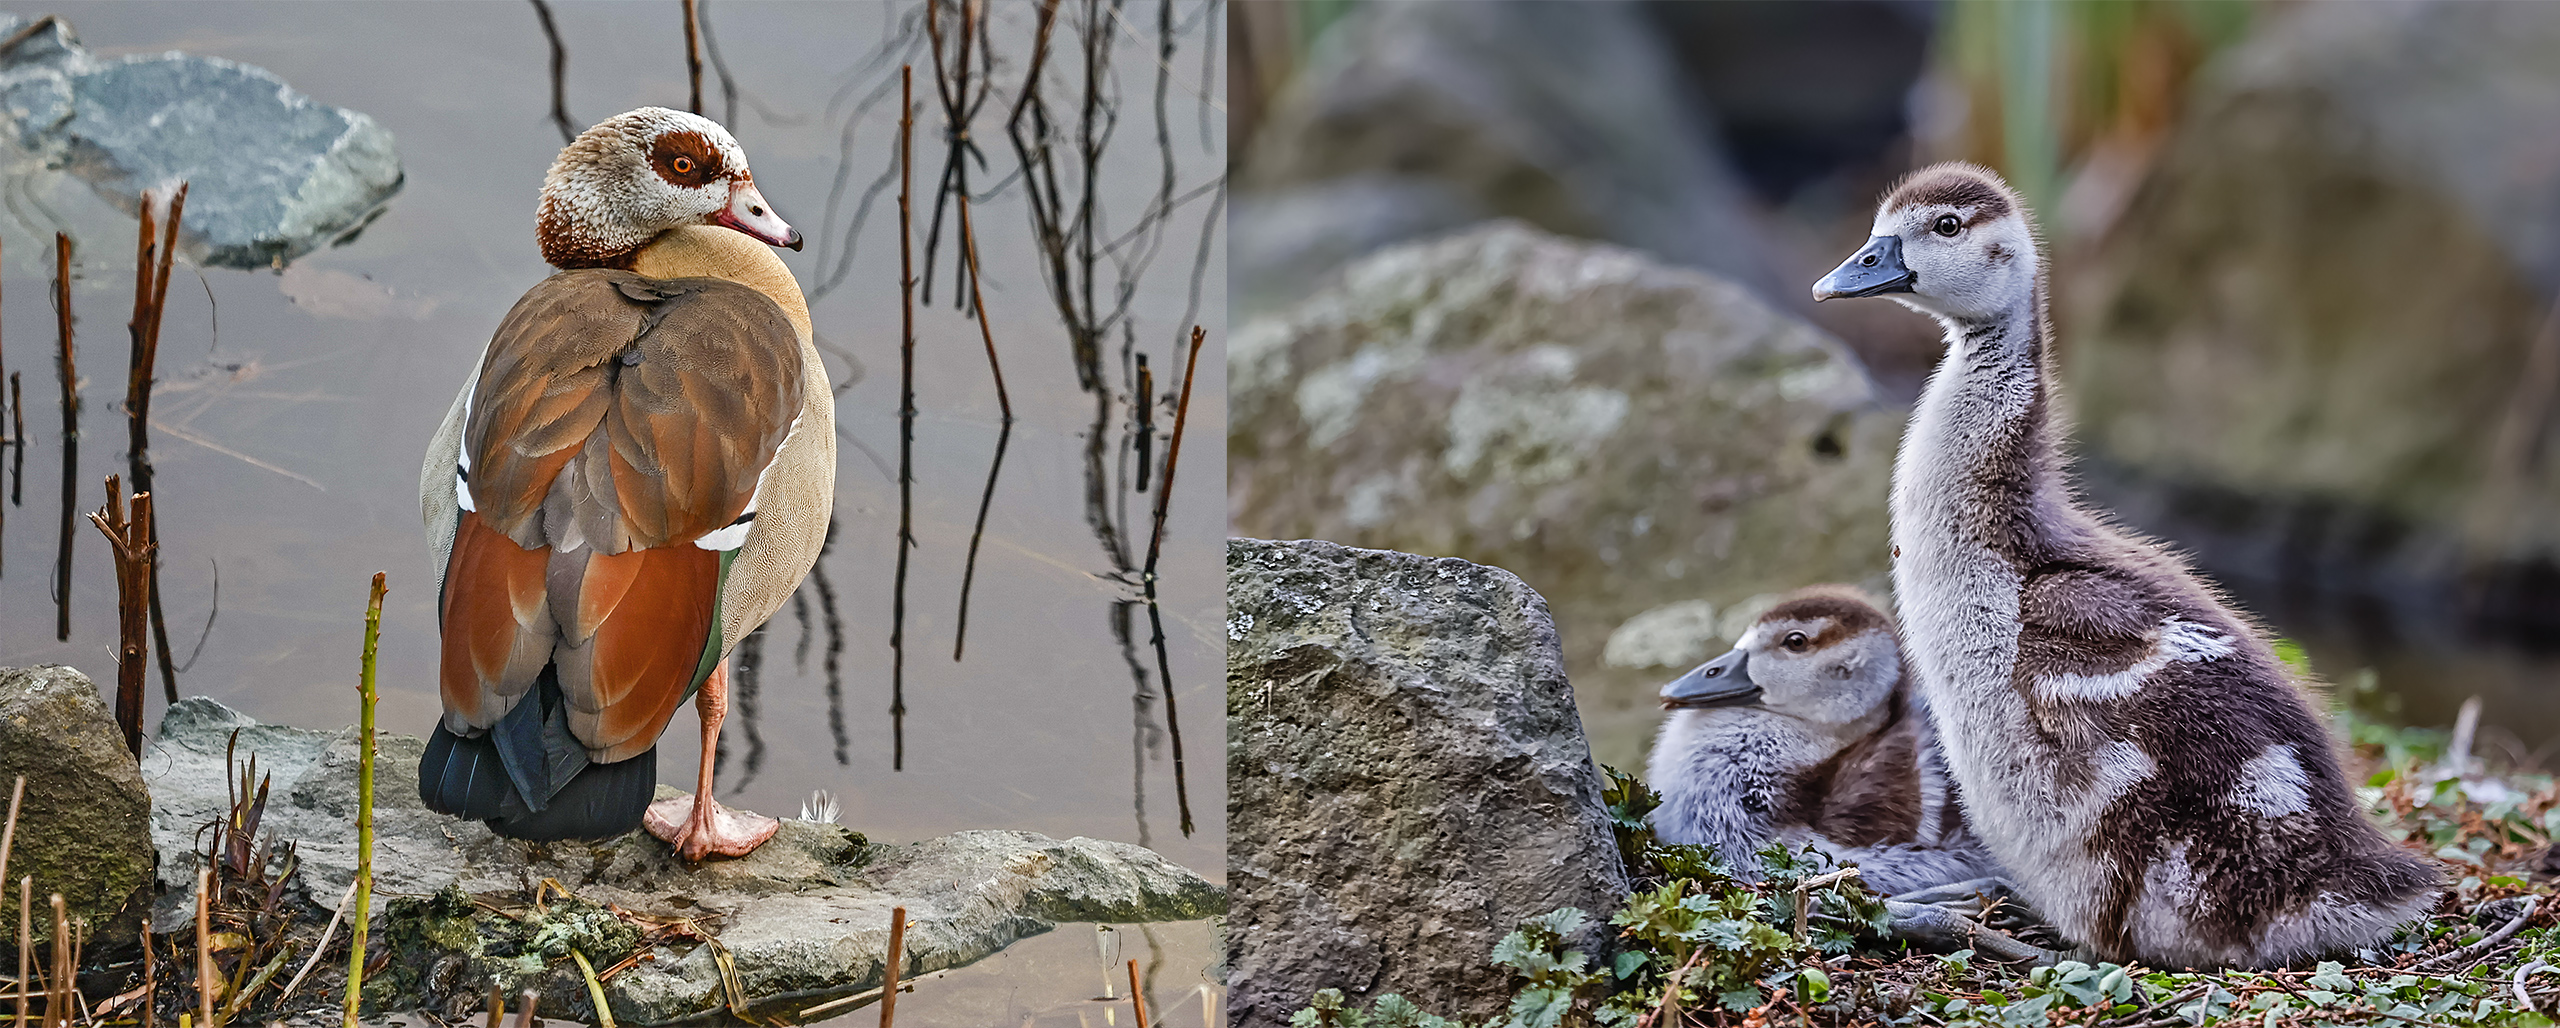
{"type": "Point", "coordinates": [1795, 642]}
{"type": "Point", "coordinates": [683, 165]}
{"type": "Point", "coordinates": [1947, 224]}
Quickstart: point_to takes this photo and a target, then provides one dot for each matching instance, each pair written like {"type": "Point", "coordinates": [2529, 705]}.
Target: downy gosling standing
{"type": "Point", "coordinates": [2128, 746]}
{"type": "Point", "coordinates": [1809, 730]}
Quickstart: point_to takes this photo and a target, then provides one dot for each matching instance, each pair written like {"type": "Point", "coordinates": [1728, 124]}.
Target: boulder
{"type": "Point", "coordinates": [1410, 119]}
{"type": "Point", "coordinates": [1406, 775]}
{"type": "Point", "coordinates": [803, 918]}
{"type": "Point", "coordinates": [84, 828]}
{"type": "Point", "coordinates": [2307, 350]}
{"type": "Point", "coordinates": [1623, 435]}
{"type": "Point", "coordinates": [272, 174]}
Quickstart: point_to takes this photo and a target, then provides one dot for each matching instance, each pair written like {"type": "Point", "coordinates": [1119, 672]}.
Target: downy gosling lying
{"type": "Point", "coordinates": [1810, 730]}
{"type": "Point", "coordinates": [2128, 746]}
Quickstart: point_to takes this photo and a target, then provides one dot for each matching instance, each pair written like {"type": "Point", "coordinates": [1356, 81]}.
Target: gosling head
{"type": "Point", "coordinates": [634, 175]}
{"type": "Point", "coordinates": [1952, 240]}
{"type": "Point", "coordinates": [1825, 656]}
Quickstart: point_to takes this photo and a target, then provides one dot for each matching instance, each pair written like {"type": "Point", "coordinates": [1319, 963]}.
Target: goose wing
{"type": "Point", "coordinates": [611, 454]}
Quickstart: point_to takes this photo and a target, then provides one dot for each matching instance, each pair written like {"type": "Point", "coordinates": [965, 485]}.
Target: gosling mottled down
{"type": "Point", "coordinates": [1810, 731]}
{"type": "Point", "coordinates": [2127, 745]}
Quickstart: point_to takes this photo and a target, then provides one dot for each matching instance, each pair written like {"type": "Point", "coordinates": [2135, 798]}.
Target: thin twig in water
{"type": "Point", "coordinates": [559, 75]}
{"type": "Point", "coordinates": [693, 76]}
{"type": "Point", "coordinates": [17, 443]}
{"type": "Point", "coordinates": [1004, 435]}
{"type": "Point", "coordinates": [70, 376]}
{"type": "Point", "coordinates": [150, 302]}
{"type": "Point", "coordinates": [906, 417]}
{"type": "Point", "coordinates": [1155, 547]}
{"type": "Point", "coordinates": [1137, 994]}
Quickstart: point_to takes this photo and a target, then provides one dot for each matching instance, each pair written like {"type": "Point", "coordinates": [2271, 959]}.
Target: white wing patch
{"type": "Point", "coordinates": [462, 456]}
{"type": "Point", "coordinates": [2180, 642]}
{"type": "Point", "coordinates": [2273, 783]}
{"type": "Point", "coordinates": [734, 534]}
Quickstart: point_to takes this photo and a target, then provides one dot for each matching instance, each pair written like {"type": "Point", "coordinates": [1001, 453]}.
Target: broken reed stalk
{"type": "Point", "coordinates": [57, 1001]}
{"type": "Point", "coordinates": [150, 976]}
{"type": "Point", "coordinates": [70, 376]}
{"type": "Point", "coordinates": [525, 1002]}
{"type": "Point", "coordinates": [906, 415]}
{"type": "Point", "coordinates": [26, 941]}
{"type": "Point", "coordinates": [1155, 548]}
{"type": "Point", "coordinates": [129, 543]}
{"type": "Point", "coordinates": [204, 948]}
{"type": "Point", "coordinates": [150, 300]}
{"type": "Point", "coordinates": [986, 332]}
{"type": "Point", "coordinates": [9, 832]}
{"type": "Point", "coordinates": [497, 1012]}
{"type": "Point", "coordinates": [897, 961]}
{"type": "Point", "coordinates": [17, 443]}
{"type": "Point", "coordinates": [559, 75]}
{"type": "Point", "coordinates": [364, 804]}
{"type": "Point", "coordinates": [1137, 994]}
{"type": "Point", "coordinates": [693, 74]}
{"type": "Point", "coordinates": [1145, 404]}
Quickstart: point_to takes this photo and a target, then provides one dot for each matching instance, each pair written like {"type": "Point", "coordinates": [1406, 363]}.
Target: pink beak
{"type": "Point", "coordinates": [747, 212]}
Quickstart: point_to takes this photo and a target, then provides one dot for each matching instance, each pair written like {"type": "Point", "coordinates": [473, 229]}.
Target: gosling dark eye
{"type": "Point", "coordinates": [1795, 642]}
{"type": "Point", "coordinates": [1948, 225]}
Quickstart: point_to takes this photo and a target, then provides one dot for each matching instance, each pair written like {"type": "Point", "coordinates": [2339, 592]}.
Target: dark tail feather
{"type": "Point", "coordinates": [464, 777]}
{"type": "Point", "coordinates": [602, 802]}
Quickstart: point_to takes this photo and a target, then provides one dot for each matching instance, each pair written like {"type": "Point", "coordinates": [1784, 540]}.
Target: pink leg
{"type": "Point", "coordinates": [697, 825]}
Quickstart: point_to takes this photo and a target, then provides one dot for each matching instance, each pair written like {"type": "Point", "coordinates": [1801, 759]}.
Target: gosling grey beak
{"type": "Point", "coordinates": [1875, 269]}
{"type": "Point", "coordinates": [1722, 682]}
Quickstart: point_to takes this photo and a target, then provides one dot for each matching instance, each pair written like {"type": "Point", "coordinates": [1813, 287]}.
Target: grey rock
{"type": "Point", "coordinates": [1408, 119]}
{"type": "Point", "coordinates": [84, 826]}
{"type": "Point", "coordinates": [1407, 777]}
{"type": "Point", "coordinates": [2303, 351]}
{"type": "Point", "coordinates": [272, 173]}
{"type": "Point", "coordinates": [1623, 435]}
{"type": "Point", "coordinates": [805, 916]}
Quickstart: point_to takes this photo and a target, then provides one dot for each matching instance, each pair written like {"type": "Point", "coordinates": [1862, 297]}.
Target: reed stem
{"type": "Point", "coordinates": [1137, 994]}
{"type": "Point", "coordinates": [1155, 548]}
{"type": "Point", "coordinates": [204, 947]}
{"type": "Point", "coordinates": [9, 832]}
{"type": "Point", "coordinates": [906, 416]}
{"type": "Point", "coordinates": [68, 371]}
{"type": "Point", "coordinates": [364, 804]}
{"type": "Point", "coordinates": [897, 961]}
{"type": "Point", "coordinates": [692, 74]}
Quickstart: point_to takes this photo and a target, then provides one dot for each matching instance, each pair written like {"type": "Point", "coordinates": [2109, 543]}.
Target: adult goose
{"type": "Point", "coordinates": [1811, 730]}
{"type": "Point", "coordinates": [636, 476]}
{"type": "Point", "coordinates": [2128, 746]}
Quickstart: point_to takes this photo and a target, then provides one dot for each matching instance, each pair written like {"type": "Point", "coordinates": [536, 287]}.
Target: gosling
{"type": "Point", "coordinates": [1810, 731]}
{"type": "Point", "coordinates": [2127, 745]}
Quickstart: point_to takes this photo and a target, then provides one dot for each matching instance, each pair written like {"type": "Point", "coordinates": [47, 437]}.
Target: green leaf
{"type": "Point", "coordinates": [1630, 962]}
{"type": "Point", "coordinates": [1740, 1000]}
{"type": "Point", "coordinates": [1817, 985]}
{"type": "Point", "coordinates": [1541, 1007]}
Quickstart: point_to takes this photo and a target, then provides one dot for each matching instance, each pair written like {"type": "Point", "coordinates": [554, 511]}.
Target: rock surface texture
{"type": "Point", "coordinates": [272, 173]}
{"type": "Point", "coordinates": [1413, 119]}
{"type": "Point", "coordinates": [1407, 778]}
{"type": "Point", "coordinates": [85, 827]}
{"type": "Point", "coordinates": [804, 918]}
{"type": "Point", "coordinates": [1625, 436]}
{"type": "Point", "coordinates": [2308, 350]}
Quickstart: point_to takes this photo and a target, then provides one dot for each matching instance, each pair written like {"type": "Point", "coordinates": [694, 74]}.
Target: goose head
{"type": "Point", "coordinates": [1825, 657]}
{"type": "Point", "coordinates": [619, 184]}
{"type": "Point", "coordinates": [1952, 240]}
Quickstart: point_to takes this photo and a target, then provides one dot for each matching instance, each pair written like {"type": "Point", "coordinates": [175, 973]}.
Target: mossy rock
{"type": "Point", "coordinates": [85, 828]}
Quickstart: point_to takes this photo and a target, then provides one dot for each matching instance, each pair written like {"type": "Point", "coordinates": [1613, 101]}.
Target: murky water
{"type": "Point", "coordinates": [288, 440]}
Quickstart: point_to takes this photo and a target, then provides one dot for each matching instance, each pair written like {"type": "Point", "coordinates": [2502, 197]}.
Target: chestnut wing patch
{"type": "Point", "coordinates": [617, 420]}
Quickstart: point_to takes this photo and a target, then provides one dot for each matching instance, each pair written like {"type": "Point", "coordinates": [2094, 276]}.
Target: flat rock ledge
{"type": "Point", "coordinates": [803, 919]}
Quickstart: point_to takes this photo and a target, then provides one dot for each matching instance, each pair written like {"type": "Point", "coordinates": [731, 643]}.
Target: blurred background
{"type": "Point", "coordinates": [2304, 263]}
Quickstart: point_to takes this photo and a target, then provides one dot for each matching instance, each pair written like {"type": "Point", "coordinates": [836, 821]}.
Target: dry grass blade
{"type": "Point", "coordinates": [65, 975]}
{"type": "Point", "coordinates": [331, 932]}
{"type": "Point", "coordinates": [205, 980]}
{"type": "Point", "coordinates": [26, 941]}
{"type": "Point", "coordinates": [595, 989]}
{"type": "Point", "coordinates": [9, 831]}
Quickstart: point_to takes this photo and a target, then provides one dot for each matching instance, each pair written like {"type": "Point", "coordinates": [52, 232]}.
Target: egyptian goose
{"type": "Point", "coordinates": [2128, 746]}
{"type": "Point", "coordinates": [637, 475]}
{"type": "Point", "coordinates": [1809, 730]}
